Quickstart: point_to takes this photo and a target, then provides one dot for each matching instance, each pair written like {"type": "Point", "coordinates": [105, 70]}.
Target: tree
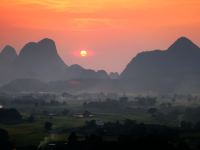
{"type": "Point", "coordinates": [186, 125]}
{"type": "Point", "coordinates": [65, 112]}
{"type": "Point", "coordinates": [152, 110]}
{"type": "Point", "coordinates": [91, 124]}
{"type": "Point", "coordinates": [72, 139]}
{"type": "Point", "coordinates": [10, 116]}
{"type": "Point", "coordinates": [5, 143]}
{"type": "Point", "coordinates": [31, 118]}
{"type": "Point", "coordinates": [48, 126]}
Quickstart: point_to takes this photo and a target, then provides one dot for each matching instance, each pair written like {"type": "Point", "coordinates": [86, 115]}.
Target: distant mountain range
{"type": "Point", "coordinates": [41, 61]}
{"type": "Point", "coordinates": [38, 67]}
{"type": "Point", "coordinates": [174, 69]}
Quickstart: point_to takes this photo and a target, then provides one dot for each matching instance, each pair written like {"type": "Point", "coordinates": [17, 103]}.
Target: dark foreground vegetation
{"type": "Point", "coordinates": [130, 135]}
{"type": "Point", "coordinates": [49, 121]}
{"type": "Point", "coordinates": [120, 136]}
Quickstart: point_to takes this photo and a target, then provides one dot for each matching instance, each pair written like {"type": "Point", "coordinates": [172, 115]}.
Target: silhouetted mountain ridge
{"type": "Point", "coordinates": [77, 72]}
{"type": "Point", "coordinates": [173, 70]}
{"type": "Point", "coordinates": [7, 55]}
{"type": "Point", "coordinates": [40, 60]}
{"type": "Point", "coordinates": [164, 69]}
{"type": "Point", "coordinates": [183, 44]}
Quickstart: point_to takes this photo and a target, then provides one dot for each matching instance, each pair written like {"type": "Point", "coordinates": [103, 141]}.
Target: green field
{"type": "Point", "coordinates": [25, 133]}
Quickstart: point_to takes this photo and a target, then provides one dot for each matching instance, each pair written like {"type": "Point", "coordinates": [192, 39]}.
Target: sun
{"type": "Point", "coordinates": [83, 53]}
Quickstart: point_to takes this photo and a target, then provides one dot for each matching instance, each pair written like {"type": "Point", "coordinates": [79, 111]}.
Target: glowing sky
{"type": "Point", "coordinates": [115, 30]}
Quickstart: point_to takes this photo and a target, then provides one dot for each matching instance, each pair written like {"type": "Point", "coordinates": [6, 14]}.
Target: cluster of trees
{"type": "Point", "coordinates": [8, 116]}
{"type": "Point", "coordinates": [122, 101]}
{"type": "Point", "coordinates": [167, 114]}
{"type": "Point", "coordinates": [119, 135]}
{"type": "Point", "coordinates": [31, 99]}
{"type": "Point", "coordinates": [128, 135]}
{"type": "Point", "coordinates": [44, 100]}
{"type": "Point", "coordinates": [192, 115]}
{"type": "Point", "coordinates": [146, 101]}
{"type": "Point", "coordinates": [5, 142]}
{"type": "Point", "coordinates": [107, 104]}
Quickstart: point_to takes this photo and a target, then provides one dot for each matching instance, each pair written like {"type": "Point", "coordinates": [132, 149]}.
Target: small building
{"type": "Point", "coordinates": [85, 114]}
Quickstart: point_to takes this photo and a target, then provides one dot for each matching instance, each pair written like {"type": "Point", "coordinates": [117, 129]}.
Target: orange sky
{"type": "Point", "coordinates": [114, 30]}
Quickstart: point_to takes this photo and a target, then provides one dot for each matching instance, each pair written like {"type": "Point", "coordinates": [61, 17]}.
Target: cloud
{"type": "Point", "coordinates": [66, 5]}
{"type": "Point", "coordinates": [88, 5]}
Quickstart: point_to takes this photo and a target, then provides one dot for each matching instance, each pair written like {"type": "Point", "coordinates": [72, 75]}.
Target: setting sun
{"type": "Point", "coordinates": [83, 53]}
